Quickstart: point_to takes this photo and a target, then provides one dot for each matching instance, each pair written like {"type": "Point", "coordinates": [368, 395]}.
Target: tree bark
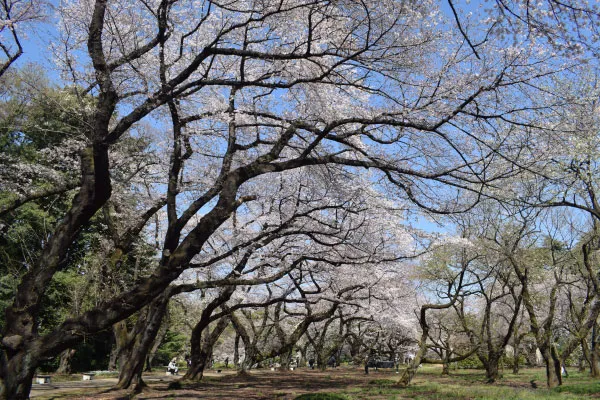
{"type": "Point", "coordinates": [595, 354]}
{"type": "Point", "coordinates": [112, 360]}
{"type": "Point", "coordinates": [285, 359]}
{"type": "Point", "coordinates": [17, 377]}
{"type": "Point", "coordinates": [445, 368]}
{"type": "Point", "coordinates": [411, 370]}
{"type": "Point", "coordinates": [132, 358]}
{"type": "Point", "coordinates": [236, 351]}
{"type": "Point", "coordinates": [516, 355]}
{"type": "Point", "coordinates": [197, 353]}
{"type": "Point", "coordinates": [553, 372]}
{"type": "Point", "coordinates": [585, 356]}
{"type": "Point", "coordinates": [205, 350]}
{"type": "Point", "coordinates": [492, 372]}
{"type": "Point", "coordinates": [157, 342]}
{"type": "Point", "coordinates": [64, 366]}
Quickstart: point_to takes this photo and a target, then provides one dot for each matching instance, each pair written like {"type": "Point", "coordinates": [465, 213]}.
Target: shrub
{"type": "Point", "coordinates": [470, 363]}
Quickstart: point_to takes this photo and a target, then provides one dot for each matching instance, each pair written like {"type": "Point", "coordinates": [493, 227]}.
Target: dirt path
{"type": "Point", "coordinates": [256, 386]}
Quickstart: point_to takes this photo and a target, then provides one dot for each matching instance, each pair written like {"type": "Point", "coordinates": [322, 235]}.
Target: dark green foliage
{"type": "Point", "coordinates": [171, 346]}
{"type": "Point", "coordinates": [41, 132]}
{"type": "Point", "coordinates": [470, 363]}
{"type": "Point", "coordinates": [509, 361]}
{"type": "Point", "coordinates": [91, 355]}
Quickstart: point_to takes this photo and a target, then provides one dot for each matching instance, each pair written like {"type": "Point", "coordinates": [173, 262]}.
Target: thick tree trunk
{"type": "Point", "coordinates": [198, 356]}
{"type": "Point", "coordinates": [157, 342]}
{"type": "Point", "coordinates": [250, 350]}
{"type": "Point", "coordinates": [19, 359]}
{"type": "Point", "coordinates": [321, 361]}
{"type": "Point", "coordinates": [516, 355]}
{"type": "Point", "coordinates": [553, 375]}
{"type": "Point", "coordinates": [492, 372]}
{"type": "Point", "coordinates": [354, 349]}
{"type": "Point", "coordinates": [17, 377]}
{"type": "Point", "coordinates": [202, 353]}
{"type": "Point", "coordinates": [411, 370]}
{"type": "Point", "coordinates": [122, 340]}
{"type": "Point", "coordinates": [491, 363]}
{"type": "Point", "coordinates": [445, 368]}
{"type": "Point", "coordinates": [249, 359]}
{"type": "Point", "coordinates": [285, 360]}
{"type": "Point", "coordinates": [303, 355]}
{"type": "Point", "coordinates": [133, 357]}
{"type": "Point", "coordinates": [64, 366]}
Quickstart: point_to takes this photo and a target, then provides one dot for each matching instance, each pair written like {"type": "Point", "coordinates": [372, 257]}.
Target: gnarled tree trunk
{"type": "Point", "coordinates": [203, 353]}
{"type": "Point", "coordinates": [64, 366]}
{"type": "Point", "coordinates": [133, 356]}
{"type": "Point", "coordinates": [17, 377]}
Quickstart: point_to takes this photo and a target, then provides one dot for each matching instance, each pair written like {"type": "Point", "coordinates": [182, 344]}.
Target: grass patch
{"type": "Point", "coordinates": [382, 382]}
{"type": "Point", "coordinates": [580, 388]}
{"type": "Point", "coordinates": [321, 396]}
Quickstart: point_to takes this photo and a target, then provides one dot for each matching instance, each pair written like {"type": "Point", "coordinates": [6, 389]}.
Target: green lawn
{"type": "Point", "coordinates": [429, 384]}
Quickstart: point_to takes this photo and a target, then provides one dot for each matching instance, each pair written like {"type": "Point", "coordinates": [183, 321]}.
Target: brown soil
{"type": "Point", "coordinates": [258, 385]}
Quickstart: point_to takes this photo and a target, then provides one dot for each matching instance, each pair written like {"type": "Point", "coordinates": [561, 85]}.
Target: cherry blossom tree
{"type": "Point", "coordinates": [15, 16]}
{"type": "Point", "coordinates": [251, 89]}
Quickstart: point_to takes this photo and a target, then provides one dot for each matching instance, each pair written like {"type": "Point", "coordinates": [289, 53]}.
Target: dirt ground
{"type": "Point", "coordinates": [228, 385]}
{"type": "Point", "coordinates": [429, 384]}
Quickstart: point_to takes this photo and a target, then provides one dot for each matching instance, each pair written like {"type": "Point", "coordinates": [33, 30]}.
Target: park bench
{"type": "Point", "coordinates": [385, 364]}
{"type": "Point", "coordinates": [42, 379]}
{"type": "Point", "coordinates": [88, 376]}
{"type": "Point", "coordinates": [382, 364]}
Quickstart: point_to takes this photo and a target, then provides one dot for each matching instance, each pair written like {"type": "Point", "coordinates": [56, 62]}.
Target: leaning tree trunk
{"type": "Point", "coordinates": [201, 354]}
{"type": "Point", "coordinates": [411, 370]}
{"type": "Point", "coordinates": [157, 342]}
{"type": "Point", "coordinates": [133, 357]}
{"type": "Point", "coordinates": [250, 350]}
{"type": "Point", "coordinates": [198, 352]}
{"type": "Point", "coordinates": [251, 356]}
{"type": "Point", "coordinates": [64, 366]}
